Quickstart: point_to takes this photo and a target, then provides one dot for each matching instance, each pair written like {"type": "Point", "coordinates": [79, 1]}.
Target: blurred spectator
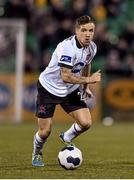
{"type": "Point", "coordinates": [122, 47]}
{"type": "Point", "coordinates": [30, 61]}
{"type": "Point", "coordinates": [51, 21]}
{"type": "Point", "coordinates": [98, 10]}
{"type": "Point", "coordinates": [45, 59]}
{"type": "Point", "coordinates": [112, 66]}
{"type": "Point", "coordinates": [128, 65]}
{"type": "Point", "coordinates": [65, 29]}
{"type": "Point", "coordinates": [78, 8]}
{"type": "Point", "coordinates": [17, 9]}
{"type": "Point", "coordinates": [114, 8]}
{"type": "Point", "coordinates": [48, 39]}
{"type": "Point", "coordinates": [102, 39]}
{"type": "Point", "coordinates": [58, 9]}
{"type": "Point", "coordinates": [128, 34]}
{"type": "Point", "coordinates": [41, 3]}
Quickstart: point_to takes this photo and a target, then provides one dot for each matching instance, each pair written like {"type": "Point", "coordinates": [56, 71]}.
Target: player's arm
{"type": "Point", "coordinates": [70, 77]}
{"type": "Point", "coordinates": [86, 72]}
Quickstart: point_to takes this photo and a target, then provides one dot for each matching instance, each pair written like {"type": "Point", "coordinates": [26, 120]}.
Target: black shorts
{"type": "Point", "coordinates": [46, 102]}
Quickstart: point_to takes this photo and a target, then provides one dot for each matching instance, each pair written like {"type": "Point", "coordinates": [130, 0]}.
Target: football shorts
{"type": "Point", "coordinates": [46, 102]}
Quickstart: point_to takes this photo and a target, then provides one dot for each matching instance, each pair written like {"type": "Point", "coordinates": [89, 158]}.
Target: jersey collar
{"type": "Point", "coordinates": [77, 43]}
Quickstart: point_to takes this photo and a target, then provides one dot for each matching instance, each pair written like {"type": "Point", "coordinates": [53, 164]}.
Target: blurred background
{"type": "Point", "coordinates": [31, 29]}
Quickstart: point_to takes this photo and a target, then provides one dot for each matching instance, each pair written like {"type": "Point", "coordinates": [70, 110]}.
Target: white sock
{"type": "Point", "coordinates": [38, 144]}
{"type": "Point", "coordinates": [72, 132]}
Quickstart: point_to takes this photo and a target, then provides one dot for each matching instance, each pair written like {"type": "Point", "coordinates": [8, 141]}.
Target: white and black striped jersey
{"type": "Point", "coordinates": [68, 53]}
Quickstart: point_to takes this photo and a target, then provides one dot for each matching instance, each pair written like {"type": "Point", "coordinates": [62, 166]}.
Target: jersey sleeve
{"type": "Point", "coordinates": [93, 50]}
{"type": "Point", "coordinates": [65, 54]}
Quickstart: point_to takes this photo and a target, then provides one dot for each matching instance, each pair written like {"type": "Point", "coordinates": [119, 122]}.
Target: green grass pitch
{"type": "Point", "coordinates": [108, 152]}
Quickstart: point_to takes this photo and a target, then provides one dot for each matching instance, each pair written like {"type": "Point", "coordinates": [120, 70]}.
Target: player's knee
{"type": "Point", "coordinates": [44, 132]}
{"type": "Point", "coordinates": [44, 127]}
{"type": "Point", "coordinates": [86, 125]}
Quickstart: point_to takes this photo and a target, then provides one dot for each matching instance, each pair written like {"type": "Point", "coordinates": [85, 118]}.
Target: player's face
{"type": "Point", "coordinates": [85, 33]}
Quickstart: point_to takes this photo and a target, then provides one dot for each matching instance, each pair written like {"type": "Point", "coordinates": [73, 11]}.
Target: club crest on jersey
{"type": "Point", "coordinates": [42, 109]}
{"type": "Point", "coordinates": [66, 58]}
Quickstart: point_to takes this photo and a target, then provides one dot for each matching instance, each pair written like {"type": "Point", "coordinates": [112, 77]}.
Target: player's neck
{"type": "Point", "coordinates": [78, 43]}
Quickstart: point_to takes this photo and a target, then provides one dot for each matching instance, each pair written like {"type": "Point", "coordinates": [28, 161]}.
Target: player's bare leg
{"type": "Point", "coordinates": [39, 140]}
{"type": "Point", "coordinates": [83, 123]}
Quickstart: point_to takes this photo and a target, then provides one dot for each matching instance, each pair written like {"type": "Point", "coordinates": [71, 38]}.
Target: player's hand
{"type": "Point", "coordinates": [95, 77]}
{"type": "Point", "coordinates": [88, 92]}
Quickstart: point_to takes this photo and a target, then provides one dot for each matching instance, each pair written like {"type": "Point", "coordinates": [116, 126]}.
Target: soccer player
{"type": "Point", "coordinates": [60, 83]}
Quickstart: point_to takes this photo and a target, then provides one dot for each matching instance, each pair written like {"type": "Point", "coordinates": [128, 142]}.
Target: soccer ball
{"type": "Point", "coordinates": [70, 157]}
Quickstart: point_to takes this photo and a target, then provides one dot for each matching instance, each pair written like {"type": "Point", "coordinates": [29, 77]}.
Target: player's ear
{"type": "Point", "coordinates": [76, 30]}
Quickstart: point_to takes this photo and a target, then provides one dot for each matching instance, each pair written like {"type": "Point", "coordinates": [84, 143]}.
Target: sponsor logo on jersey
{"type": "Point", "coordinates": [78, 67]}
{"type": "Point", "coordinates": [66, 58]}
